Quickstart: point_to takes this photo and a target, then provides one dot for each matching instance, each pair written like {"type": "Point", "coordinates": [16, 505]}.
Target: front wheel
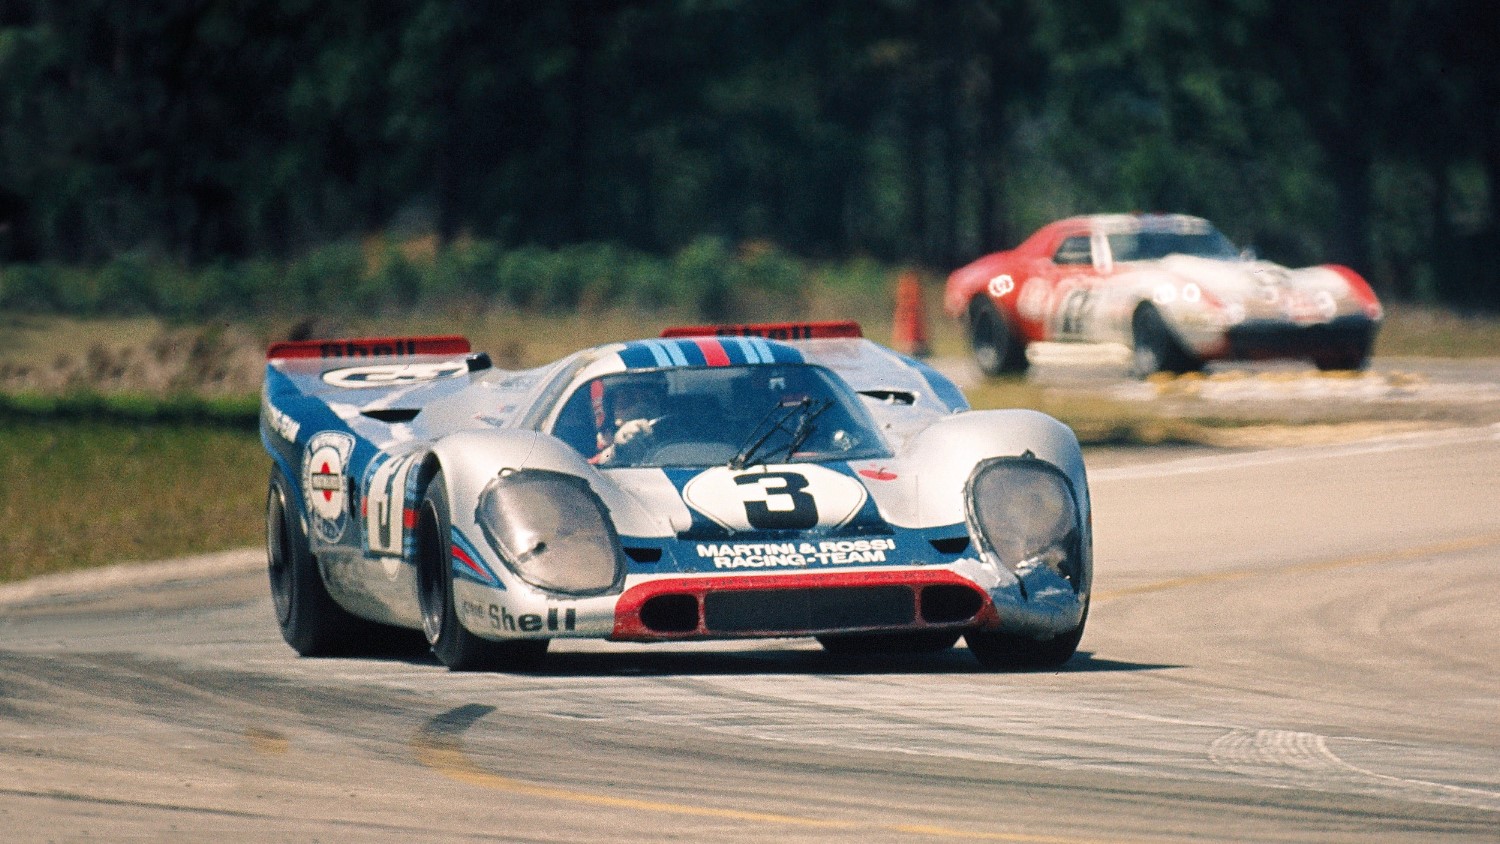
{"type": "Point", "coordinates": [451, 643]}
{"type": "Point", "coordinates": [1155, 348]}
{"type": "Point", "coordinates": [1000, 651]}
{"type": "Point", "coordinates": [997, 349]}
{"type": "Point", "coordinates": [1349, 360]}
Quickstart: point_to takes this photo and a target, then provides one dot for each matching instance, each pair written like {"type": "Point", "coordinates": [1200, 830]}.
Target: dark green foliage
{"type": "Point", "coordinates": [204, 156]}
{"type": "Point", "coordinates": [233, 412]}
{"type": "Point", "coordinates": [707, 277]}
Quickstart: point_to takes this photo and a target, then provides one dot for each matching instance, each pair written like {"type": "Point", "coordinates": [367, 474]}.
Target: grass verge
{"type": "Point", "coordinates": [83, 494]}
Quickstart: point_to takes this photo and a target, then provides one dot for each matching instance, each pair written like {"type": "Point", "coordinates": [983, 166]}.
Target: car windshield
{"type": "Point", "coordinates": [1147, 245]}
{"type": "Point", "coordinates": [706, 416]}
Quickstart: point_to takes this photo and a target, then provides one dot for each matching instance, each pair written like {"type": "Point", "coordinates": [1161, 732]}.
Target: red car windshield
{"type": "Point", "coordinates": [1149, 245]}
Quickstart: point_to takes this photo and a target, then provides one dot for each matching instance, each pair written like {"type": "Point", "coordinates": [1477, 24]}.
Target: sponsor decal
{"type": "Point", "coordinates": [391, 374]}
{"type": "Point", "coordinates": [323, 483]}
{"type": "Point", "coordinates": [497, 617]}
{"type": "Point", "coordinates": [365, 347]}
{"type": "Point", "coordinates": [1001, 285]}
{"type": "Point", "coordinates": [285, 426]}
{"type": "Point", "coordinates": [780, 497]}
{"type": "Point", "coordinates": [830, 552]}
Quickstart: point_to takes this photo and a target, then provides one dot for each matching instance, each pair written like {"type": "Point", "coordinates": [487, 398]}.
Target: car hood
{"type": "Point", "coordinates": [1238, 280]}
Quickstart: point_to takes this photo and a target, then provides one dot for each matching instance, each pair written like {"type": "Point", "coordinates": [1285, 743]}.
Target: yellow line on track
{"type": "Point", "coordinates": [1402, 555]}
{"type": "Point", "coordinates": [445, 754]}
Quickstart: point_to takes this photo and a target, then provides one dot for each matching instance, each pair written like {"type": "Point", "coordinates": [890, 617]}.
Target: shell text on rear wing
{"type": "Point", "coordinates": [771, 330]}
{"type": "Point", "coordinates": [370, 347]}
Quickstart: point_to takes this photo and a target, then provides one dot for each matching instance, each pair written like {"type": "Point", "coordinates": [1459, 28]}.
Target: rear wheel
{"type": "Point", "coordinates": [451, 643]}
{"type": "Point", "coordinates": [1155, 348]}
{"type": "Point", "coordinates": [997, 651]}
{"type": "Point", "coordinates": [310, 620]}
{"type": "Point", "coordinates": [921, 641]}
{"type": "Point", "coordinates": [997, 349]}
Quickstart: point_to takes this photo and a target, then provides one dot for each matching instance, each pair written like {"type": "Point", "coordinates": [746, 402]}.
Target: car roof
{"type": "Point", "coordinates": [1113, 223]}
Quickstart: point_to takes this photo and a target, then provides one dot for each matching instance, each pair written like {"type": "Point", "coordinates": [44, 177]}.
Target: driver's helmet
{"type": "Point", "coordinates": [636, 399]}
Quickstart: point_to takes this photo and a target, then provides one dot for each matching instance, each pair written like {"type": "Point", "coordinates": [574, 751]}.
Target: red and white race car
{"type": "Point", "coordinates": [1170, 287]}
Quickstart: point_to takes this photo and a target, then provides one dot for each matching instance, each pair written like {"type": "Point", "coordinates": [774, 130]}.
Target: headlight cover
{"type": "Point", "coordinates": [552, 530]}
{"type": "Point", "coordinates": [1024, 513]}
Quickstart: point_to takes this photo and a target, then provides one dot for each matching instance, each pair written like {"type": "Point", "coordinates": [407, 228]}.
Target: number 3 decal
{"type": "Point", "coordinates": [785, 507]}
{"type": "Point", "coordinates": [775, 498]}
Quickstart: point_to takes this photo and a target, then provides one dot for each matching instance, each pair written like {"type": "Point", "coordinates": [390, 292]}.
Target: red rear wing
{"type": "Point", "coordinates": [771, 330]}
{"type": "Point", "coordinates": [370, 347]}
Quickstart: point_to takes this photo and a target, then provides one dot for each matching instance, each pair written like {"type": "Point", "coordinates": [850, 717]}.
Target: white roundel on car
{"type": "Point", "coordinates": [780, 497]}
{"type": "Point", "coordinates": [391, 374]}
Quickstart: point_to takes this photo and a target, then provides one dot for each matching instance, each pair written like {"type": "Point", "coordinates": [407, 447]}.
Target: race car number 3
{"type": "Point", "coordinates": [775, 497]}
{"type": "Point", "coordinates": [786, 506]}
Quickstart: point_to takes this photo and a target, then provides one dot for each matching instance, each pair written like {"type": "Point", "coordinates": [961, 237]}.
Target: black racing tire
{"type": "Point", "coordinates": [452, 644]}
{"type": "Point", "coordinates": [1000, 651]}
{"type": "Point", "coordinates": [916, 642]}
{"type": "Point", "coordinates": [1350, 360]}
{"type": "Point", "coordinates": [997, 349]}
{"type": "Point", "coordinates": [1155, 348]}
{"type": "Point", "coordinates": [311, 621]}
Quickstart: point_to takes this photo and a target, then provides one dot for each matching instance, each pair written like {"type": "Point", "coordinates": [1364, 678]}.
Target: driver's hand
{"type": "Point", "coordinates": [634, 428]}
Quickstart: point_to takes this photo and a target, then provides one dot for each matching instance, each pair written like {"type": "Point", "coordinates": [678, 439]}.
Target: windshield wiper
{"type": "Point", "coordinates": [743, 457]}
{"type": "Point", "coordinates": [805, 410]}
{"type": "Point", "coordinates": [805, 426]}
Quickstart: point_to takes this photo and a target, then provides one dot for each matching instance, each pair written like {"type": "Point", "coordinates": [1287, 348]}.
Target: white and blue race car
{"type": "Point", "coordinates": [719, 482]}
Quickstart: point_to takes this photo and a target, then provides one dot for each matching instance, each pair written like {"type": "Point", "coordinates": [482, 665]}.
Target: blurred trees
{"type": "Point", "coordinates": [200, 131]}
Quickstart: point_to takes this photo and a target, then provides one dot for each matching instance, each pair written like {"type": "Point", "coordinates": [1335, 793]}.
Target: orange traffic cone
{"type": "Point", "coordinates": [909, 332]}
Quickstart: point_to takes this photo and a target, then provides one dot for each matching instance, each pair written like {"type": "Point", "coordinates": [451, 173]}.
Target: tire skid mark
{"type": "Point", "coordinates": [1297, 759]}
{"type": "Point", "coordinates": [438, 745]}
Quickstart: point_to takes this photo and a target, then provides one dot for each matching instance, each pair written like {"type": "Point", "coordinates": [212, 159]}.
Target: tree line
{"type": "Point", "coordinates": [914, 132]}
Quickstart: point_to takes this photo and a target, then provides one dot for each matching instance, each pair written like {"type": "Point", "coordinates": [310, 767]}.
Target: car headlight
{"type": "Point", "coordinates": [1025, 515]}
{"type": "Point", "coordinates": [552, 530]}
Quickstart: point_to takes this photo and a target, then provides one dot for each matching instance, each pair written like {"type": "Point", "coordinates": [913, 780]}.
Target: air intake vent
{"type": "Point", "coordinates": [951, 544]}
{"type": "Point", "coordinates": [808, 610]}
{"type": "Point", "coordinates": [392, 415]}
{"type": "Point", "coordinates": [643, 555]}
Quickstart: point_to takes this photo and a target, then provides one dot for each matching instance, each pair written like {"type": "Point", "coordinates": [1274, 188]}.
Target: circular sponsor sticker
{"type": "Point", "coordinates": [323, 483]}
{"type": "Point", "coordinates": [391, 374]}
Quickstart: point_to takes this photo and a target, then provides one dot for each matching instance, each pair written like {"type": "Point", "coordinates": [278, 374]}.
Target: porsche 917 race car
{"type": "Point", "coordinates": [714, 483]}
{"type": "Point", "coordinates": [1170, 287]}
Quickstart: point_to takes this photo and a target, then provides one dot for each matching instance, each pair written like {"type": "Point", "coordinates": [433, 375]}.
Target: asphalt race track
{"type": "Point", "coordinates": [1285, 645]}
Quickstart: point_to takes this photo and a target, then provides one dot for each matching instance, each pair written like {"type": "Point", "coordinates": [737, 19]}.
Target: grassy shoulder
{"type": "Point", "coordinates": [82, 494]}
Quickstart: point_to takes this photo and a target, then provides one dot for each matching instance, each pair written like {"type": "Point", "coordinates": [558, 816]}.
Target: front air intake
{"type": "Point", "coordinates": [808, 610]}
{"type": "Point", "coordinates": [670, 614]}
{"type": "Point", "coordinates": [947, 604]}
